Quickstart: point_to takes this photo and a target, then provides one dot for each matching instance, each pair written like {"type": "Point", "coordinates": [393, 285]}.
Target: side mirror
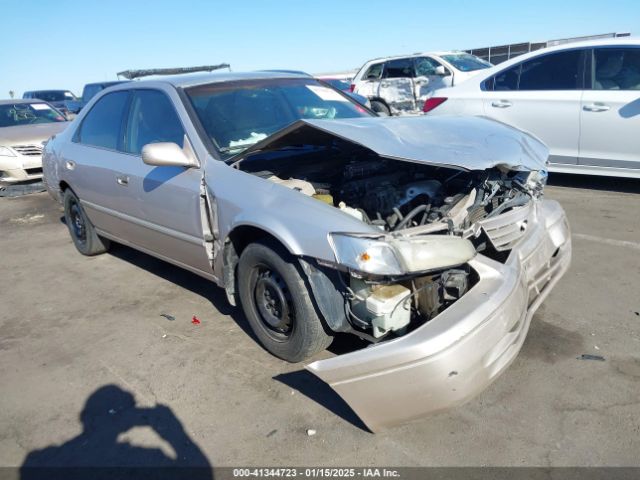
{"type": "Point", "coordinates": [166, 154]}
{"type": "Point", "coordinates": [440, 70]}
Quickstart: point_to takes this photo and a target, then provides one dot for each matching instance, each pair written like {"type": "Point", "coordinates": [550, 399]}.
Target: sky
{"type": "Point", "coordinates": [63, 44]}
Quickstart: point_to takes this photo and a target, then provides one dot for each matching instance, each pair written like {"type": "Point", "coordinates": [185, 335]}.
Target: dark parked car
{"type": "Point", "coordinates": [90, 89]}
{"type": "Point", "coordinates": [63, 100]}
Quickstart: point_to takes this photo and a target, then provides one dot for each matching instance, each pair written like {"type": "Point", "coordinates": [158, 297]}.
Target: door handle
{"type": "Point", "coordinates": [596, 107]}
{"type": "Point", "coordinates": [70, 165]}
{"type": "Point", "coordinates": [122, 180]}
{"type": "Point", "coordinates": [384, 84]}
{"type": "Point", "coordinates": [501, 104]}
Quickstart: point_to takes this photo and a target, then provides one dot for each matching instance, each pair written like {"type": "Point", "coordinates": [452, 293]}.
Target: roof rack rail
{"type": "Point", "coordinates": [132, 74]}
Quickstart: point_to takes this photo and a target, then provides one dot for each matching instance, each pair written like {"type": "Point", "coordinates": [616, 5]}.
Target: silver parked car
{"type": "Point", "coordinates": [25, 125]}
{"type": "Point", "coordinates": [427, 237]}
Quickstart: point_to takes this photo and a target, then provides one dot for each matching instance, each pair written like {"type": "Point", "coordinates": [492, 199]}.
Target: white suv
{"type": "Point", "coordinates": [401, 84]}
{"type": "Point", "coordinates": [581, 99]}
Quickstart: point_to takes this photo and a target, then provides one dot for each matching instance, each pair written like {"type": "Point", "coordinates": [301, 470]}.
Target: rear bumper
{"type": "Point", "coordinates": [459, 353]}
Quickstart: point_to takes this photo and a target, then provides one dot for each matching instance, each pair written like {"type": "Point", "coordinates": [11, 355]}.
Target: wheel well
{"type": "Point", "coordinates": [63, 186]}
{"type": "Point", "coordinates": [236, 242]}
{"type": "Point", "coordinates": [380, 100]}
{"type": "Point", "coordinates": [243, 235]}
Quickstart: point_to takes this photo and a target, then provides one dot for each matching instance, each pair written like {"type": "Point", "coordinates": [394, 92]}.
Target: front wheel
{"type": "Point", "coordinates": [81, 229]}
{"type": "Point", "coordinates": [276, 302]}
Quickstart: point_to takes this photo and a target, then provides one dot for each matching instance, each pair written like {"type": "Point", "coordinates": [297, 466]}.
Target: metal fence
{"type": "Point", "coordinates": [501, 53]}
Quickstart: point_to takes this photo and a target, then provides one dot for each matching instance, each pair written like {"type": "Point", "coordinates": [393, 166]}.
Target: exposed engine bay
{"type": "Point", "coordinates": [395, 195]}
{"type": "Point", "coordinates": [401, 198]}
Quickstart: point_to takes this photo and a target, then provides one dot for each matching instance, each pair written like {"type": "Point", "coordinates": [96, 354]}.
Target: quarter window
{"type": "Point", "coordinates": [102, 126]}
{"type": "Point", "coordinates": [374, 72]}
{"type": "Point", "coordinates": [152, 119]}
{"type": "Point", "coordinates": [400, 68]}
{"type": "Point", "coordinates": [617, 69]}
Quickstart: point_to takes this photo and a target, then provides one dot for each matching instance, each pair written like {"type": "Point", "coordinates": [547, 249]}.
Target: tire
{"type": "Point", "coordinates": [276, 301]}
{"type": "Point", "coordinates": [81, 229]}
{"type": "Point", "coordinates": [380, 108]}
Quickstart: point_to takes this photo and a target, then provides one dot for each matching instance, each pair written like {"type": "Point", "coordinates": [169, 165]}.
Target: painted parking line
{"type": "Point", "coordinates": [607, 241]}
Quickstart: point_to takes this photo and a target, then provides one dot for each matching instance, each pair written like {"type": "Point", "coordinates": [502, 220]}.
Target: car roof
{"type": "Point", "coordinates": [109, 82]}
{"type": "Point", "coordinates": [192, 80]}
{"type": "Point", "coordinates": [416, 54]}
{"type": "Point", "coordinates": [20, 100]}
{"type": "Point", "coordinates": [47, 90]}
{"type": "Point", "coordinates": [605, 42]}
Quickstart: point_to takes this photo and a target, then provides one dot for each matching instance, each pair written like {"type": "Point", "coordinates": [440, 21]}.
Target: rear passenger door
{"type": "Point", "coordinates": [94, 160]}
{"type": "Point", "coordinates": [542, 96]}
{"type": "Point", "coordinates": [397, 87]}
{"type": "Point", "coordinates": [610, 109]}
{"type": "Point", "coordinates": [162, 203]}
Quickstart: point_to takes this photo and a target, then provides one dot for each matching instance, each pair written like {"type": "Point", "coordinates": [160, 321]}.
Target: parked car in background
{"type": "Point", "coordinates": [401, 84]}
{"type": "Point", "coordinates": [25, 125]}
{"type": "Point", "coordinates": [344, 86]}
{"type": "Point", "coordinates": [91, 89]}
{"type": "Point", "coordinates": [428, 238]}
{"type": "Point", "coordinates": [581, 99]}
{"type": "Point", "coordinates": [63, 100]}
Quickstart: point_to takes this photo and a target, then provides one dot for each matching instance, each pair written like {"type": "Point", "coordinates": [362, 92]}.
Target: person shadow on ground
{"type": "Point", "coordinates": [98, 453]}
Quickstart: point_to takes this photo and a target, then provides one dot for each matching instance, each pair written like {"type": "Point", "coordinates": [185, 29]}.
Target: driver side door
{"type": "Point", "coordinates": [427, 77]}
{"type": "Point", "coordinates": [162, 203]}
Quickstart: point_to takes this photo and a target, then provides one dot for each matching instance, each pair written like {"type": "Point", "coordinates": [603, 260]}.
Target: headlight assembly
{"type": "Point", "coordinates": [6, 152]}
{"type": "Point", "coordinates": [397, 256]}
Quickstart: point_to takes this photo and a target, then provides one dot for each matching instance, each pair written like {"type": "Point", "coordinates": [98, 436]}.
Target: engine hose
{"type": "Point", "coordinates": [410, 216]}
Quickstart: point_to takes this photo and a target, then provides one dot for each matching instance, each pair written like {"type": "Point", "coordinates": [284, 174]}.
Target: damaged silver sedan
{"type": "Point", "coordinates": [428, 238]}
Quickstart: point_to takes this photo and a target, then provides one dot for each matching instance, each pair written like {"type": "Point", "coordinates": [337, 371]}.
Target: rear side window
{"type": "Point", "coordinates": [616, 69]}
{"type": "Point", "coordinates": [152, 119]}
{"type": "Point", "coordinates": [102, 127]}
{"type": "Point", "coordinates": [374, 72]}
{"type": "Point", "coordinates": [400, 68]}
{"type": "Point", "coordinates": [507, 80]}
{"type": "Point", "coordinates": [557, 71]}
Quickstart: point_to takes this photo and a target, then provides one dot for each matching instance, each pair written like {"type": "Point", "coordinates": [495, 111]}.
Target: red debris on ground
{"type": "Point", "coordinates": [195, 320]}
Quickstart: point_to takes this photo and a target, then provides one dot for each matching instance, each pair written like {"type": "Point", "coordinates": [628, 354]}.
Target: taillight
{"type": "Point", "coordinates": [432, 103]}
{"type": "Point", "coordinates": [352, 87]}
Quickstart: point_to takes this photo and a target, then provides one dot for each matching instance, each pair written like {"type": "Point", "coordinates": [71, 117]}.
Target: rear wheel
{"type": "Point", "coordinates": [380, 108]}
{"type": "Point", "coordinates": [81, 229]}
{"type": "Point", "coordinates": [276, 302]}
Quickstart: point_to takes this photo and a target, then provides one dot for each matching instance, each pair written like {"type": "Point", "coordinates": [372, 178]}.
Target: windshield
{"type": "Point", "coordinates": [12, 115]}
{"type": "Point", "coordinates": [465, 62]}
{"type": "Point", "coordinates": [55, 95]}
{"type": "Point", "coordinates": [235, 115]}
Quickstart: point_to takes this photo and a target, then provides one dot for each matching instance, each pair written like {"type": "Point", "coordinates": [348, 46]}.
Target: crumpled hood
{"type": "Point", "coordinates": [469, 143]}
{"type": "Point", "coordinates": [30, 134]}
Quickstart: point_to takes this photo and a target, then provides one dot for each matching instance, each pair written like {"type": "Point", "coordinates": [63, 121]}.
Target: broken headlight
{"type": "Point", "coordinates": [397, 256]}
{"type": "Point", "coordinates": [365, 254]}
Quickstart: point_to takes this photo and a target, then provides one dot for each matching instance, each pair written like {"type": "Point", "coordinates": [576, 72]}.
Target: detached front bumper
{"type": "Point", "coordinates": [457, 354]}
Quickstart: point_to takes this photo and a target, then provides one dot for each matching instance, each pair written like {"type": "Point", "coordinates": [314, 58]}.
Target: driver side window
{"type": "Point", "coordinates": [426, 66]}
{"type": "Point", "coordinates": [152, 119]}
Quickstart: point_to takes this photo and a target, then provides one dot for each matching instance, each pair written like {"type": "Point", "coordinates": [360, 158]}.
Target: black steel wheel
{"type": "Point", "coordinates": [277, 303]}
{"type": "Point", "coordinates": [81, 229]}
